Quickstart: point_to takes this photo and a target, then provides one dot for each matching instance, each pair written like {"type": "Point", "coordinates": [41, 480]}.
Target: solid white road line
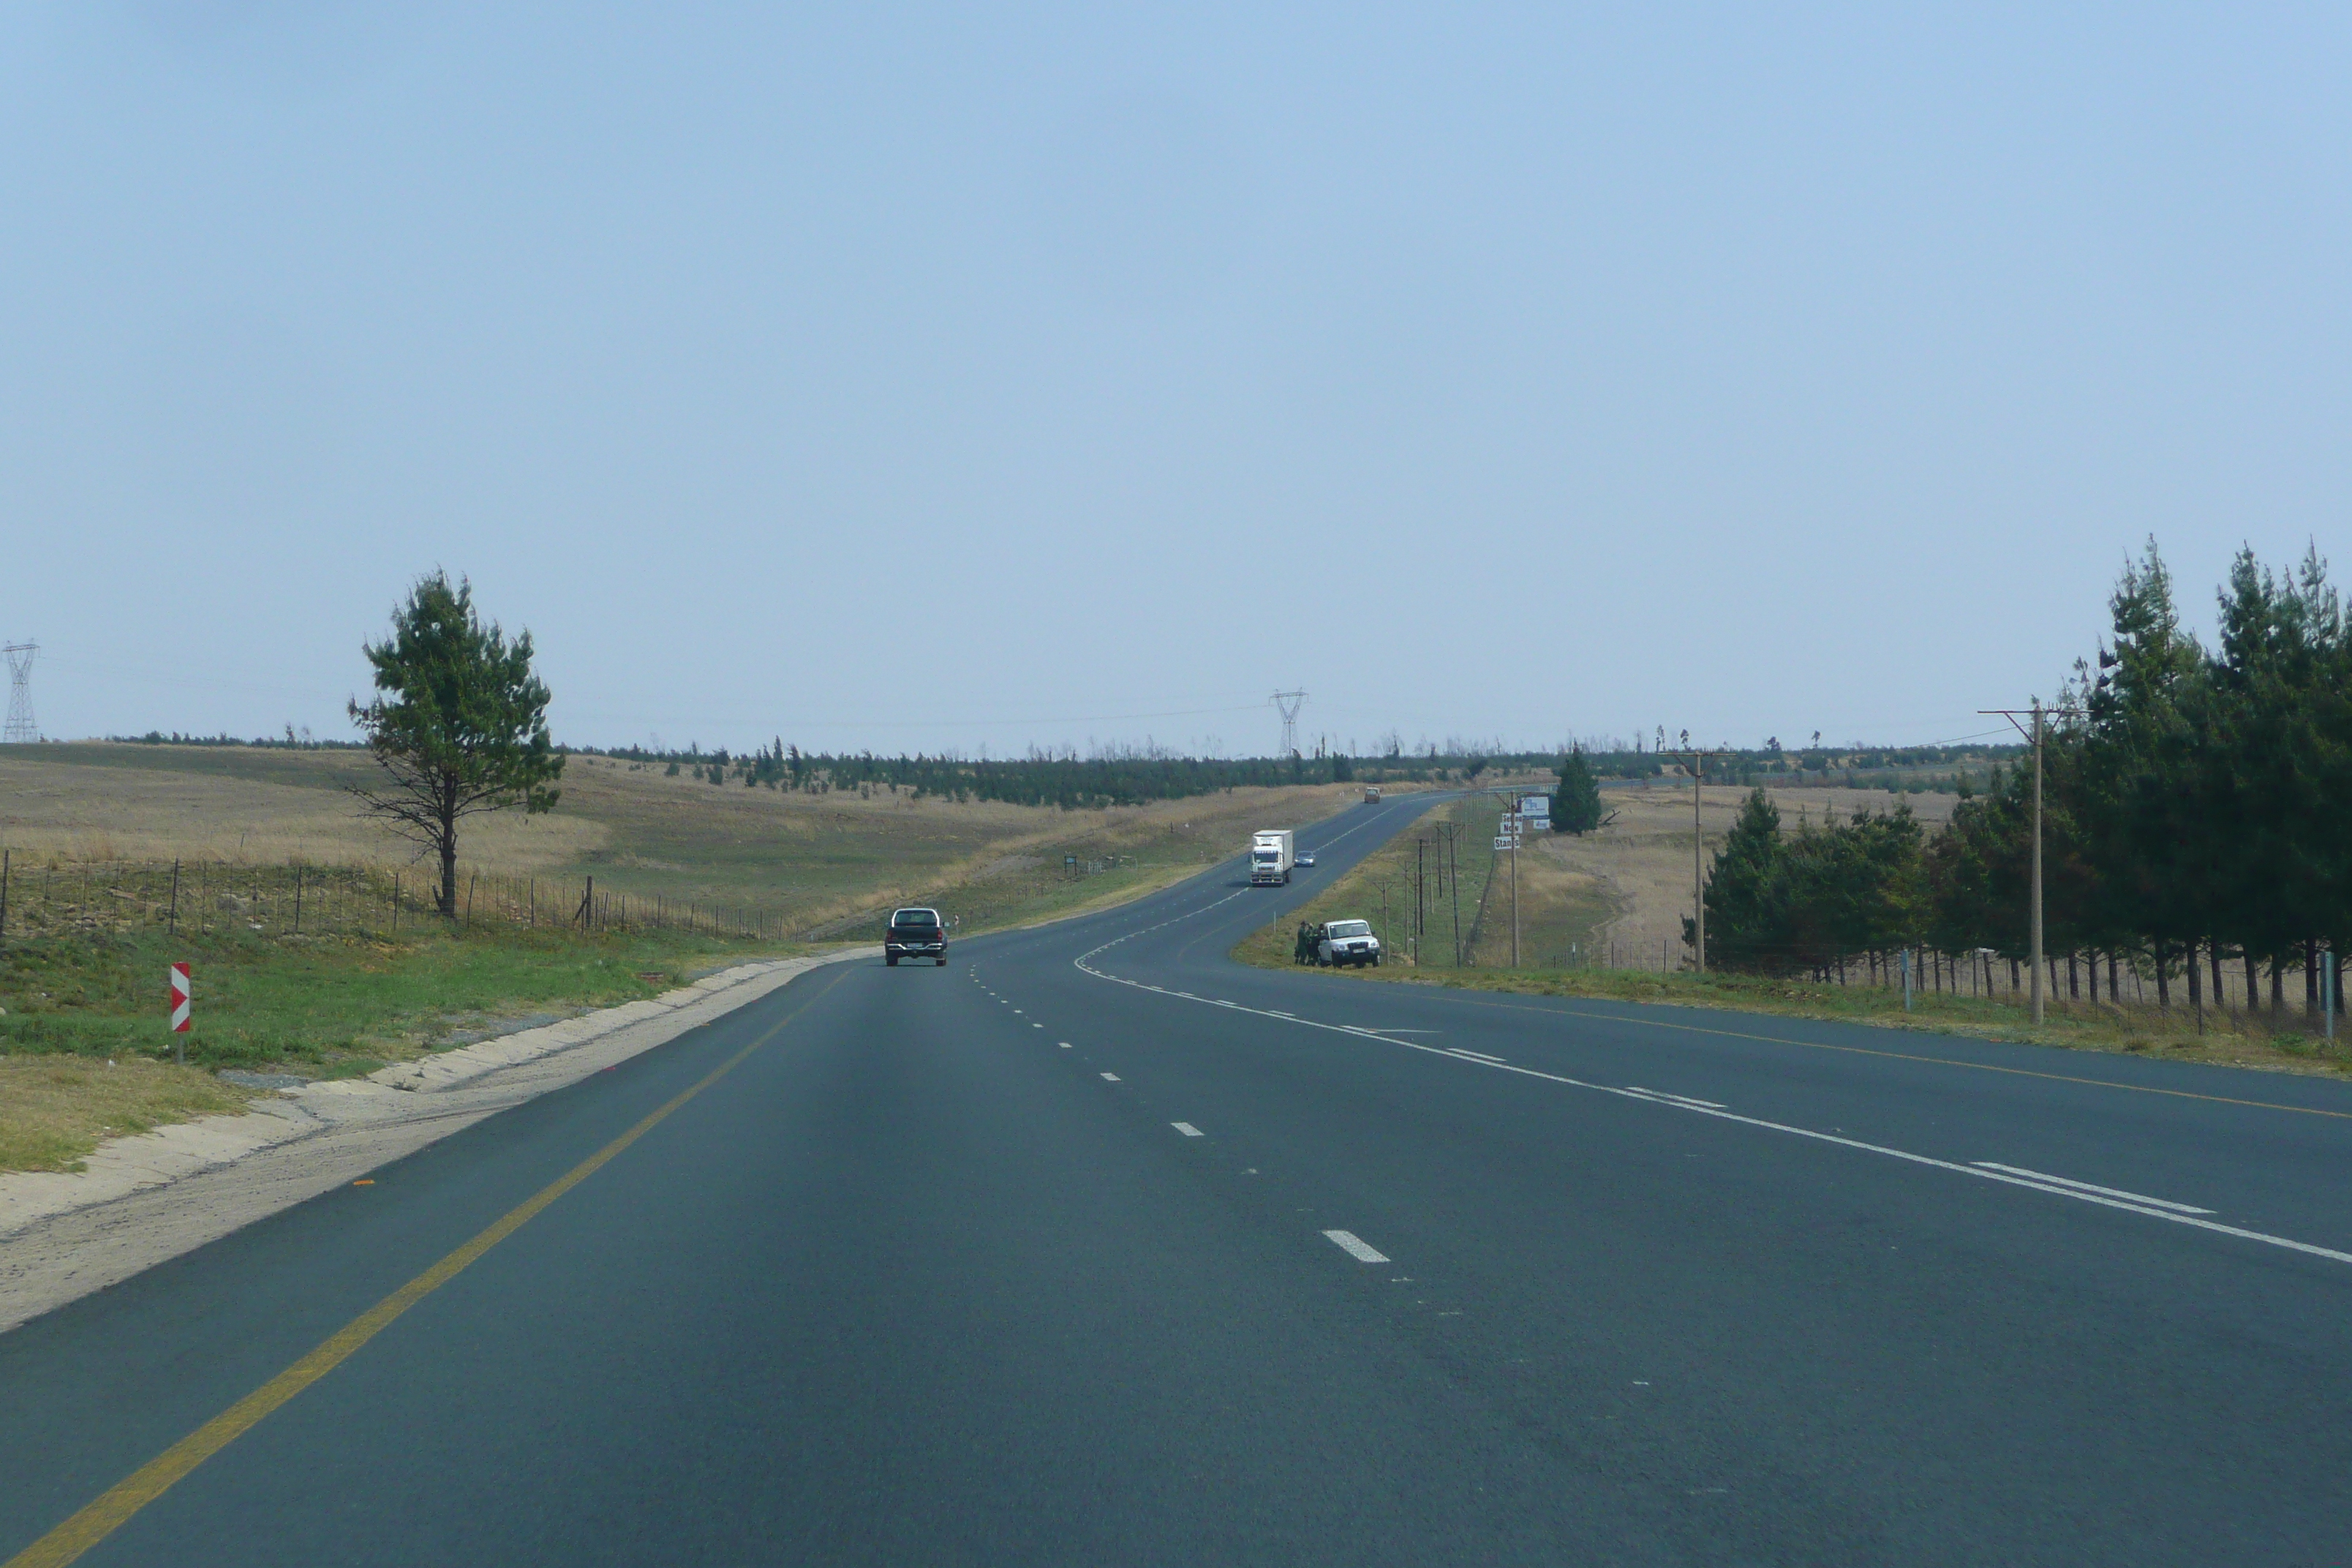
{"type": "Point", "coordinates": [1354, 1245]}
{"type": "Point", "coordinates": [2088, 1187]}
{"type": "Point", "coordinates": [2080, 1193]}
{"type": "Point", "coordinates": [1187, 1129]}
{"type": "Point", "coordinates": [1473, 1056]}
{"type": "Point", "coordinates": [1110, 1077]}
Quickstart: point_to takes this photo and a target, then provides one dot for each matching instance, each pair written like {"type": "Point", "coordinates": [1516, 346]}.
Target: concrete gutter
{"type": "Point", "coordinates": [141, 1200]}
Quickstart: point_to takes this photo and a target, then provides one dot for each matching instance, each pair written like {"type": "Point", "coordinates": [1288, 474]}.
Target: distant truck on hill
{"type": "Point", "coordinates": [1272, 854]}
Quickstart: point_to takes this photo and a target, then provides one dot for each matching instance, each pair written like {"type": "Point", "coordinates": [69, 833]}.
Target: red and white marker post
{"type": "Point", "coordinates": [183, 989]}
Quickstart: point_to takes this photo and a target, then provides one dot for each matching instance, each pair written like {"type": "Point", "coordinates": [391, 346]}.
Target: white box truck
{"type": "Point", "coordinates": [1270, 858]}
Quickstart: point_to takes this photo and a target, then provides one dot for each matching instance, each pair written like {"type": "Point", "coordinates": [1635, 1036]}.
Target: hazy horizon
{"type": "Point", "coordinates": [1047, 376]}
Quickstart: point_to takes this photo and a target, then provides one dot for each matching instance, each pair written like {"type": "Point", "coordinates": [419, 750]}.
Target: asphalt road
{"type": "Point", "coordinates": [1096, 1248]}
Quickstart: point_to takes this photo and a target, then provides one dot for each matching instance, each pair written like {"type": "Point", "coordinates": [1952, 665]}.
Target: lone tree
{"type": "Point", "coordinates": [1576, 805]}
{"type": "Point", "coordinates": [458, 724]}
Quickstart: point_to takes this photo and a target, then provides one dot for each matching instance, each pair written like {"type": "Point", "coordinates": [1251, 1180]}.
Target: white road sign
{"type": "Point", "coordinates": [1502, 843]}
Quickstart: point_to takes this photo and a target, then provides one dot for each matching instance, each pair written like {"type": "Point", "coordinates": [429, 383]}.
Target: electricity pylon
{"type": "Point", "coordinates": [1290, 702]}
{"type": "Point", "coordinates": [21, 729]}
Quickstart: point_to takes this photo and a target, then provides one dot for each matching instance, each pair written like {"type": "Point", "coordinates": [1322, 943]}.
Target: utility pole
{"type": "Point", "coordinates": [2033, 920]}
{"type": "Point", "coordinates": [1420, 883]}
{"type": "Point", "coordinates": [1450, 856]}
{"type": "Point", "coordinates": [1698, 854]}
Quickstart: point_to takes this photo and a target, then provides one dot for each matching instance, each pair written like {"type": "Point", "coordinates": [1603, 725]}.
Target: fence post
{"type": "Point", "coordinates": [298, 898]}
{"type": "Point", "coordinates": [395, 903]}
{"type": "Point", "coordinates": [4, 891]}
{"type": "Point", "coordinates": [1907, 979]}
{"type": "Point", "coordinates": [174, 920]}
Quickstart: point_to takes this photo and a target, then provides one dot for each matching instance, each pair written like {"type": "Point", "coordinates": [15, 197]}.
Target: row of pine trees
{"type": "Point", "coordinates": [2197, 822]}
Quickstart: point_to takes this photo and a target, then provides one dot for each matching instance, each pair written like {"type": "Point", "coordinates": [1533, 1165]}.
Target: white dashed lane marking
{"type": "Point", "coordinates": [1983, 1170]}
{"type": "Point", "coordinates": [1676, 1098]}
{"type": "Point", "coordinates": [1355, 1246]}
{"type": "Point", "coordinates": [1186, 1128]}
{"type": "Point", "coordinates": [1110, 1077]}
{"type": "Point", "coordinates": [2087, 1187]}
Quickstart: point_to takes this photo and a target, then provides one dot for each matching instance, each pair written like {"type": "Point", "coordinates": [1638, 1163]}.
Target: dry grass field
{"type": "Point", "coordinates": [820, 859]}
{"type": "Point", "coordinates": [1638, 866]}
{"type": "Point", "coordinates": [233, 805]}
{"type": "Point", "coordinates": [1616, 898]}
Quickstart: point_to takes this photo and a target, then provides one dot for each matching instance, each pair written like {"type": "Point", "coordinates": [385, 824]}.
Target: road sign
{"type": "Point", "coordinates": [1535, 805]}
{"type": "Point", "coordinates": [1501, 842]}
{"type": "Point", "coordinates": [181, 994]}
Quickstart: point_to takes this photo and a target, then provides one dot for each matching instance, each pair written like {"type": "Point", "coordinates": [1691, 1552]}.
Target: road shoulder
{"type": "Point", "coordinates": [143, 1200]}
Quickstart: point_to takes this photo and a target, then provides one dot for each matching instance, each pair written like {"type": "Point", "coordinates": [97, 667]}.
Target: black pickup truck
{"type": "Point", "coordinates": [915, 934]}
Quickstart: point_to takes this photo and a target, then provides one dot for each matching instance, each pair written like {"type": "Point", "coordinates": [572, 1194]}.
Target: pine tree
{"type": "Point", "coordinates": [1576, 805]}
{"type": "Point", "coordinates": [1747, 894]}
{"type": "Point", "coordinates": [458, 724]}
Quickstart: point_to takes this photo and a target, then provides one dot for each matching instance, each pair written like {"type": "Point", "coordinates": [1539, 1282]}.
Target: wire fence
{"type": "Point", "coordinates": [2279, 995]}
{"type": "Point", "coordinates": [66, 898]}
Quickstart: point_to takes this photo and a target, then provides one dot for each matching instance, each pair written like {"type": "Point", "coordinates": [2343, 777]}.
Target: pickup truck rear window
{"type": "Point", "coordinates": [915, 918]}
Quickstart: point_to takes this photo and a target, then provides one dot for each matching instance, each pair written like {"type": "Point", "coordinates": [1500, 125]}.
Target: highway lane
{"type": "Point", "coordinates": [2028, 1349]}
{"type": "Point", "coordinates": [1019, 1260]}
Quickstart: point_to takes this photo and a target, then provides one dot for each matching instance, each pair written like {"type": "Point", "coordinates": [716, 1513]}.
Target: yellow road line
{"type": "Point", "coordinates": [114, 1509]}
{"type": "Point", "coordinates": [1903, 1056]}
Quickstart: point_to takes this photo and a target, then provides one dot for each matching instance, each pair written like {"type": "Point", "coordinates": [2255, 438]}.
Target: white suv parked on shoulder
{"type": "Point", "coordinates": [1346, 942]}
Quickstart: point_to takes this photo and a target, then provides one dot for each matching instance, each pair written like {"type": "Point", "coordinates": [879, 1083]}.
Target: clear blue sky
{"type": "Point", "coordinates": [912, 377]}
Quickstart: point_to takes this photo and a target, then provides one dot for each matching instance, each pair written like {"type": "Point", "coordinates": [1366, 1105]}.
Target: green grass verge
{"type": "Point", "coordinates": [329, 1006]}
{"type": "Point", "coordinates": [55, 1109]}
